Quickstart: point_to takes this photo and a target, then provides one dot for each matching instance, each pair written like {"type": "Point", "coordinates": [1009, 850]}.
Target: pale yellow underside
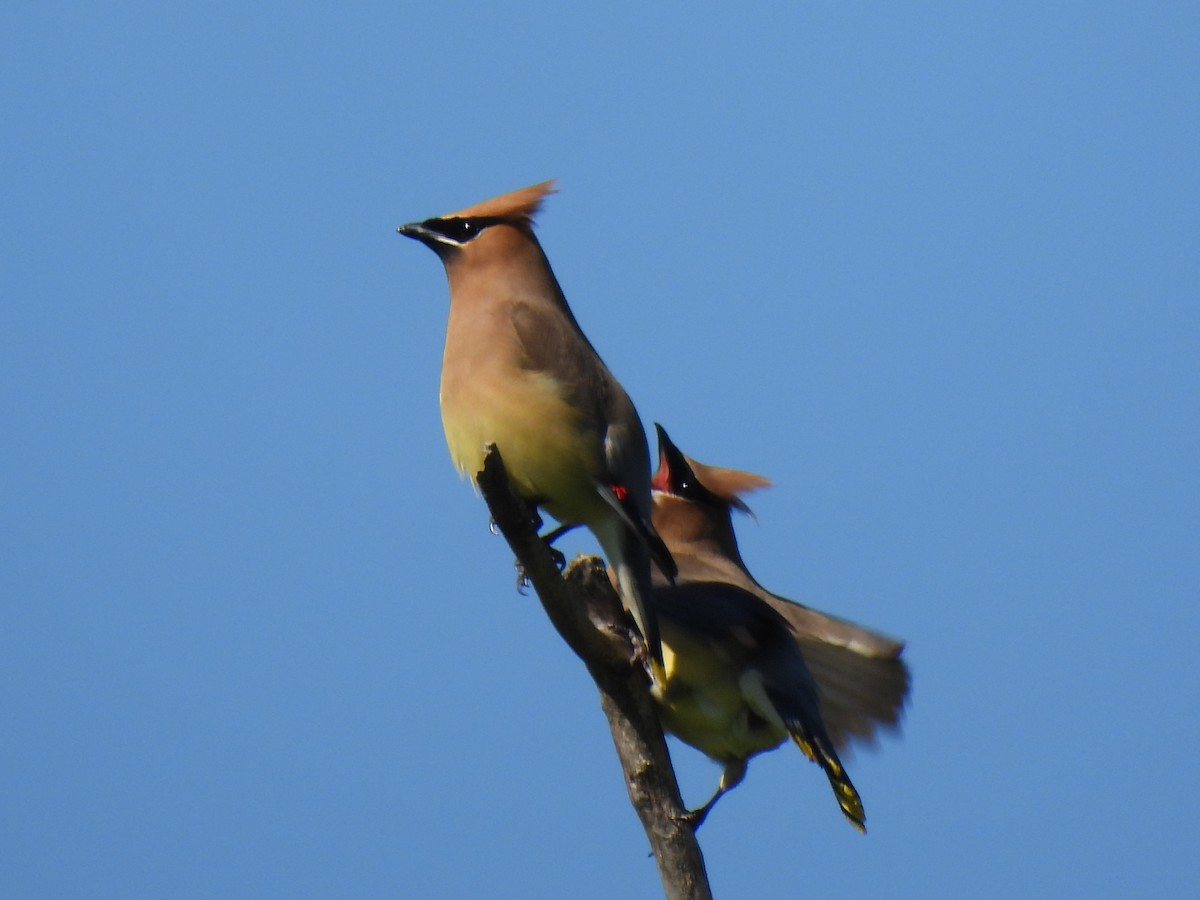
{"type": "Point", "coordinates": [704, 702]}
{"type": "Point", "coordinates": [525, 415]}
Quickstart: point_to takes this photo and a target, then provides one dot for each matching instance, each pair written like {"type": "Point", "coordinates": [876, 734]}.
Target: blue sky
{"type": "Point", "coordinates": [933, 270]}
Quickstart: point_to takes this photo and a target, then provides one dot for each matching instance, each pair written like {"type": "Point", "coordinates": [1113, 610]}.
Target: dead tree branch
{"type": "Point", "coordinates": [586, 611]}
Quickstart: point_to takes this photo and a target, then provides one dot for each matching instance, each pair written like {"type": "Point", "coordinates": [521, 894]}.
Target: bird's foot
{"type": "Point", "coordinates": [693, 818]}
{"type": "Point", "coordinates": [642, 656]}
{"type": "Point", "coordinates": [558, 558]}
{"type": "Point", "coordinates": [555, 533]}
{"type": "Point", "coordinates": [641, 653]}
{"type": "Point", "coordinates": [523, 582]}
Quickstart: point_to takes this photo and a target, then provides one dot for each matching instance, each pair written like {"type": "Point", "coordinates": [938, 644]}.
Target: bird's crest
{"type": "Point", "coordinates": [728, 484]}
{"type": "Point", "coordinates": [521, 205]}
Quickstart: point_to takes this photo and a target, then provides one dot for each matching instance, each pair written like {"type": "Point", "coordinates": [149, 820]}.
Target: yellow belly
{"type": "Point", "coordinates": [549, 459]}
{"type": "Point", "coordinates": [702, 702]}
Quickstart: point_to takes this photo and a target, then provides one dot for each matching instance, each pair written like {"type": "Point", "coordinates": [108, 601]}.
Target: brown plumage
{"type": "Point", "coordinates": [518, 372]}
{"type": "Point", "coordinates": [521, 205]}
{"type": "Point", "coordinates": [746, 668]}
{"type": "Point", "coordinates": [862, 678]}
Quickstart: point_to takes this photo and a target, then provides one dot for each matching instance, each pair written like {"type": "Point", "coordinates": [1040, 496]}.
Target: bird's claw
{"type": "Point", "coordinates": [523, 582]}
{"type": "Point", "coordinates": [641, 653]}
{"type": "Point", "coordinates": [560, 559]}
{"type": "Point", "coordinates": [641, 656]}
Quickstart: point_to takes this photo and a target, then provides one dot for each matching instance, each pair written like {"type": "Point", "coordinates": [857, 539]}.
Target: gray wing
{"type": "Point", "coordinates": [552, 342]}
{"type": "Point", "coordinates": [862, 679]}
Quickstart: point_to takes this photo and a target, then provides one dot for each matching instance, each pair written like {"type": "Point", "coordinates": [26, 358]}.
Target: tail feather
{"type": "Point", "coordinates": [861, 696]}
{"type": "Point", "coordinates": [629, 557]}
{"type": "Point", "coordinates": [843, 788]}
{"type": "Point", "coordinates": [630, 543]}
{"type": "Point", "coordinates": [802, 718]}
{"type": "Point", "coordinates": [862, 678]}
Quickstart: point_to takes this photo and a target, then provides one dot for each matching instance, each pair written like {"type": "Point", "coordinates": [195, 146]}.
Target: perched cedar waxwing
{"type": "Point", "coordinates": [519, 373]}
{"type": "Point", "coordinates": [746, 668]}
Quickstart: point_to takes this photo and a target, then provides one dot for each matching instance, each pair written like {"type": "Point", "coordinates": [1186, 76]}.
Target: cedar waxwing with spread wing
{"type": "Point", "coordinates": [746, 668]}
{"type": "Point", "coordinates": [519, 373]}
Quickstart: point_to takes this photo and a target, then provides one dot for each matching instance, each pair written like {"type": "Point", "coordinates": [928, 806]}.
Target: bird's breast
{"type": "Point", "coordinates": [526, 415]}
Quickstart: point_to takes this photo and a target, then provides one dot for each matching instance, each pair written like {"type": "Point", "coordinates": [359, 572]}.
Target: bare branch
{"type": "Point", "coordinates": [586, 611]}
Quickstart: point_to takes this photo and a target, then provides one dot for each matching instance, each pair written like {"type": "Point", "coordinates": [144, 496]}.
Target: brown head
{"type": "Point", "coordinates": [490, 242]}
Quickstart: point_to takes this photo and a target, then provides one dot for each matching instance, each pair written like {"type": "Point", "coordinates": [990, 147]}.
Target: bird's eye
{"type": "Point", "coordinates": [460, 231]}
{"type": "Point", "coordinates": [690, 489]}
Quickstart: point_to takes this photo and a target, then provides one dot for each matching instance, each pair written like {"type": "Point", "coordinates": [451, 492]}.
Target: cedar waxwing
{"type": "Point", "coordinates": [518, 372]}
{"type": "Point", "coordinates": [736, 684]}
{"type": "Point", "coordinates": [746, 668]}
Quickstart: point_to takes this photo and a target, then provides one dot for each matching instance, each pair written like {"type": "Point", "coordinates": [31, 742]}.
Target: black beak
{"type": "Point", "coordinates": [415, 230]}
{"type": "Point", "coordinates": [671, 457]}
{"type": "Point", "coordinates": [419, 231]}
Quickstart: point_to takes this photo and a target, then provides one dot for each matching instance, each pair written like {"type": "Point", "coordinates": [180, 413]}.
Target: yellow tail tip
{"type": "Point", "coordinates": [851, 805]}
{"type": "Point", "coordinates": [843, 790]}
